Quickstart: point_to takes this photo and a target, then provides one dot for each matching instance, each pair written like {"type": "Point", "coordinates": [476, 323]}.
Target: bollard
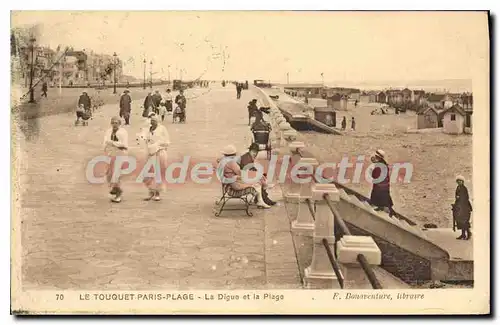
{"type": "Point", "coordinates": [304, 220]}
{"type": "Point", "coordinates": [320, 273]}
{"type": "Point", "coordinates": [348, 249]}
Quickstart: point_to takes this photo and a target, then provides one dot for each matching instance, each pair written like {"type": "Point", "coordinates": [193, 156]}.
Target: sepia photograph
{"type": "Point", "coordinates": [250, 162]}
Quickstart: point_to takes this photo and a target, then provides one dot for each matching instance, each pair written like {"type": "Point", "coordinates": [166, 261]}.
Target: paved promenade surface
{"type": "Point", "coordinates": [73, 237]}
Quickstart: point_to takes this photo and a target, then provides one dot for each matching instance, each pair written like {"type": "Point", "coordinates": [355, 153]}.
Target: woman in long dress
{"type": "Point", "coordinates": [231, 170]}
{"type": "Point", "coordinates": [462, 209]}
{"type": "Point", "coordinates": [115, 144]}
{"type": "Point", "coordinates": [381, 191]}
{"type": "Point", "coordinates": [158, 140]}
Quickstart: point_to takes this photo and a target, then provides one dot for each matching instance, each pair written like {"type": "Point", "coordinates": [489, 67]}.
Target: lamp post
{"type": "Point", "coordinates": [144, 85]}
{"type": "Point", "coordinates": [114, 73]}
{"type": "Point", "coordinates": [287, 77]}
{"type": "Point", "coordinates": [169, 74]}
{"type": "Point", "coordinates": [151, 74]}
{"type": "Point", "coordinates": [32, 47]}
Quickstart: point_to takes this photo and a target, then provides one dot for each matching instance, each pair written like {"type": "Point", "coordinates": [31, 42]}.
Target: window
{"type": "Point", "coordinates": [453, 117]}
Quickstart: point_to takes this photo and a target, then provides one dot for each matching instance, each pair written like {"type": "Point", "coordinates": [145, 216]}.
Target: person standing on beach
{"type": "Point", "coordinates": [462, 209]}
{"type": "Point", "coordinates": [125, 106]}
{"type": "Point", "coordinates": [353, 124]}
{"type": "Point", "coordinates": [344, 124]}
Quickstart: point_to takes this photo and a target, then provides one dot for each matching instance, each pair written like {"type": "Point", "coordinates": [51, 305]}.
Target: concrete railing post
{"type": "Point", "coordinates": [284, 135]}
{"type": "Point", "coordinates": [275, 132]}
{"type": "Point", "coordinates": [348, 249]}
{"type": "Point", "coordinates": [320, 272]}
{"type": "Point", "coordinates": [304, 220]}
{"type": "Point", "coordinates": [277, 129]}
{"type": "Point", "coordinates": [292, 191]}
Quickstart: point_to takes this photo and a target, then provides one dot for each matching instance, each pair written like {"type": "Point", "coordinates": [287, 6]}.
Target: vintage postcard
{"type": "Point", "coordinates": [250, 162]}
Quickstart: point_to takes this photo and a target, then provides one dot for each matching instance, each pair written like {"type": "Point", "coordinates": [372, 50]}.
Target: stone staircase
{"type": "Point", "coordinates": [409, 251]}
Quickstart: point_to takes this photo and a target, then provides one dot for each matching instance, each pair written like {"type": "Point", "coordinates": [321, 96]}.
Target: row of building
{"type": "Point", "coordinates": [65, 66]}
{"type": "Point", "coordinates": [450, 111]}
{"type": "Point", "coordinates": [400, 98]}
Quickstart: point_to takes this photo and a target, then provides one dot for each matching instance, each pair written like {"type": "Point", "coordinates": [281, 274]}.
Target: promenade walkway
{"type": "Point", "coordinates": [73, 237]}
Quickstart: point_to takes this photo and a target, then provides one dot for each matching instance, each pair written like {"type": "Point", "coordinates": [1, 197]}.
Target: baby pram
{"type": "Point", "coordinates": [84, 113]}
{"type": "Point", "coordinates": [179, 114]}
{"type": "Point", "coordinates": [168, 105]}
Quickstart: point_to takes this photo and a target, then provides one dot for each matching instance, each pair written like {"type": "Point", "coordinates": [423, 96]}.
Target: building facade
{"type": "Point", "coordinates": [70, 67]}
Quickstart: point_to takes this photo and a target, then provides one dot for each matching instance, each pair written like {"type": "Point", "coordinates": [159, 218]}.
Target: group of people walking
{"type": "Point", "coordinates": [162, 105]}
{"type": "Point", "coordinates": [156, 103]}
{"type": "Point", "coordinates": [154, 136]}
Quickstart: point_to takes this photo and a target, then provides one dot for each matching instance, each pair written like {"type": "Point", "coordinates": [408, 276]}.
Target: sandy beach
{"type": "Point", "coordinates": [436, 157]}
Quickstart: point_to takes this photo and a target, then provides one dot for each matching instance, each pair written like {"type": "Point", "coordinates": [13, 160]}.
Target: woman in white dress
{"type": "Point", "coordinates": [158, 140]}
{"type": "Point", "coordinates": [115, 144]}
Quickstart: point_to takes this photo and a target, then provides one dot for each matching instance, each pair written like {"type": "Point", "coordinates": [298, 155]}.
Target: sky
{"type": "Point", "coordinates": [344, 46]}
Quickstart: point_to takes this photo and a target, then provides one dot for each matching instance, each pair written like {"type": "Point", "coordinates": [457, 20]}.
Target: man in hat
{"type": "Point", "coordinates": [125, 106]}
{"type": "Point", "coordinates": [249, 158]}
{"type": "Point", "coordinates": [462, 209]}
{"type": "Point", "coordinates": [149, 102]}
{"type": "Point", "coordinates": [157, 101]}
{"type": "Point", "coordinates": [381, 194]}
{"type": "Point", "coordinates": [238, 90]}
{"type": "Point", "coordinates": [252, 110]}
{"type": "Point", "coordinates": [180, 100]}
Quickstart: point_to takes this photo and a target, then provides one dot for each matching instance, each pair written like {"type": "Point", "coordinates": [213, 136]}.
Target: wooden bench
{"type": "Point", "coordinates": [246, 195]}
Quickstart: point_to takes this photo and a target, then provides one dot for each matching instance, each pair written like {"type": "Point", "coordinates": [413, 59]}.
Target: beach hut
{"type": "Point", "coordinates": [429, 118]}
{"type": "Point", "coordinates": [337, 102]}
{"type": "Point", "coordinates": [325, 115]}
{"type": "Point", "coordinates": [454, 120]}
